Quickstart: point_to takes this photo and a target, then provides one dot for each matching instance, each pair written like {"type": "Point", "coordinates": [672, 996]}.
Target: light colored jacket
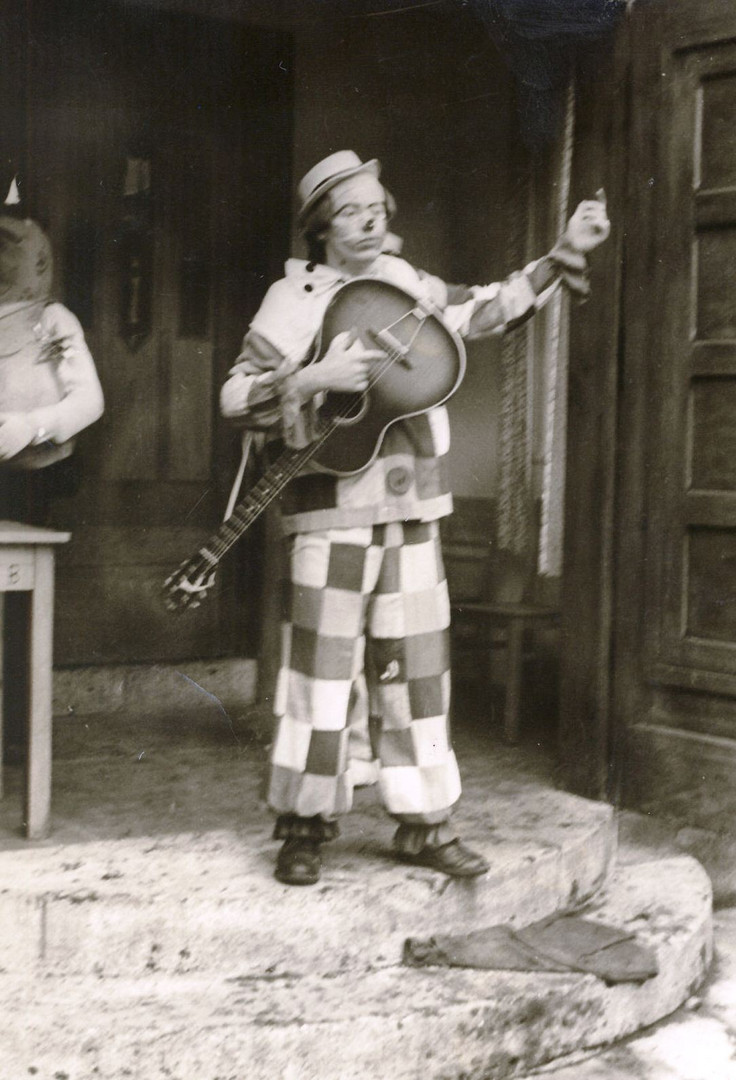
{"type": "Point", "coordinates": [47, 373]}
{"type": "Point", "coordinates": [409, 479]}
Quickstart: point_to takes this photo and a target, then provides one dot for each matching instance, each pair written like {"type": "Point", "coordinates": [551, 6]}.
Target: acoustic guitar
{"type": "Point", "coordinates": [422, 365]}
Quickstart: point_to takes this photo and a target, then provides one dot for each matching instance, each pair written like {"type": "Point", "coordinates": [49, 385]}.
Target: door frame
{"type": "Point", "coordinates": [602, 528]}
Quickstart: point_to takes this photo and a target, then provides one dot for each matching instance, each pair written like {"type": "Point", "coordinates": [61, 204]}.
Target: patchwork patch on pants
{"type": "Point", "coordinates": [367, 602]}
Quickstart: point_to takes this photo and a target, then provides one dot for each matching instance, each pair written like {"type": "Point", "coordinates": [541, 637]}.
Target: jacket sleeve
{"type": "Point", "coordinates": [483, 310]}
{"type": "Point", "coordinates": [82, 402]}
{"type": "Point", "coordinates": [261, 392]}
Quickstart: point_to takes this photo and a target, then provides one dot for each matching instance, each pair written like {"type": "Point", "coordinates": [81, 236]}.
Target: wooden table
{"type": "Point", "coordinates": [27, 565]}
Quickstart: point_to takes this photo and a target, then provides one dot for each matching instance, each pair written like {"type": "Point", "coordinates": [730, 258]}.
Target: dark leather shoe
{"type": "Point", "coordinates": [454, 859]}
{"type": "Point", "coordinates": [298, 862]}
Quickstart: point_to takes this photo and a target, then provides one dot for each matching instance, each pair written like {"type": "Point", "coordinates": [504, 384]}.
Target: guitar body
{"type": "Point", "coordinates": [425, 364]}
{"type": "Point", "coordinates": [422, 365]}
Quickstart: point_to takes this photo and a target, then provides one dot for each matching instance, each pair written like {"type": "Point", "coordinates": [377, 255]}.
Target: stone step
{"type": "Point", "coordinates": [384, 1022]}
{"type": "Point", "coordinates": [194, 902]}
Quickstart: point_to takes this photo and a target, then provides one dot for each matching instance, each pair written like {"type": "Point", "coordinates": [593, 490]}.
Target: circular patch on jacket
{"type": "Point", "coordinates": [399, 480]}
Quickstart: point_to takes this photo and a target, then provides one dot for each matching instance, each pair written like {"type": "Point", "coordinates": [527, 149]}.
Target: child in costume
{"type": "Point", "coordinates": [49, 392]}
{"type": "Point", "coordinates": [49, 389]}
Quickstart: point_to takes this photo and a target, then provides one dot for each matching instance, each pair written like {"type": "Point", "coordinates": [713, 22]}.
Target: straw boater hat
{"type": "Point", "coordinates": [328, 172]}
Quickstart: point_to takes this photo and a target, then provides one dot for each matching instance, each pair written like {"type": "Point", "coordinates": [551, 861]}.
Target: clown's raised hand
{"type": "Point", "coordinates": [589, 225]}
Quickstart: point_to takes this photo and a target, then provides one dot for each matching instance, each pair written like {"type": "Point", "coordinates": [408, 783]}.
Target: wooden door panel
{"type": "Point", "coordinates": [149, 138]}
{"type": "Point", "coordinates": [190, 394]}
{"type": "Point", "coordinates": [715, 276]}
{"type": "Point", "coordinates": [125, 621]}
{"type": "Point", "coordinates": [131, 425]}
{"type": "Point", "coordinates": [716, 162]}
{"type": "Point", "coordinates": [186, 308]}
{"type": "Point", "coordinates": [691, 619]}
{"type": "Point", "coordinates": [711, 600]}
{"type": "Point", "coordinates": [108, 605]}
{"type": "Point", "coordinates": [713, 460]}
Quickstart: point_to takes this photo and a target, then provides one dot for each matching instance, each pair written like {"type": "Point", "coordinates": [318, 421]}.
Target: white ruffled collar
{"type": "Point", "coordinates": [325, 278]}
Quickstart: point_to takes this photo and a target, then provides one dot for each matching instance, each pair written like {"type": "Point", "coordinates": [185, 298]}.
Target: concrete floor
{"type": "Point", "coordinates": [696, 1043]}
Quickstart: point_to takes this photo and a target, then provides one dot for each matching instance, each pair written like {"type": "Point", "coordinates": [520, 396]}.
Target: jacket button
{"type": "Point", "coordinates": [307, 288]}
{"type": "Point", "coordinates": [398, 480]}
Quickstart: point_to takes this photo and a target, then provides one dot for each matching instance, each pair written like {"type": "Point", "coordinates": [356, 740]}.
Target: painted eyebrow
{"type": "Point", "coordinates": [379, 204]}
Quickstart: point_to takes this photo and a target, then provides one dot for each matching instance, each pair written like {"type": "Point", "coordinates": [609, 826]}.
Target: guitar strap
{"type": "Point", "coordinates": [250, 440]}
{"type": "Point", "coordinates": [246, 446]}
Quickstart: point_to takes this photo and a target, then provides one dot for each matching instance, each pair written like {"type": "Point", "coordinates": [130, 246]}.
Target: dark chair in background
{"type": "Point", "coordinates": [501, 593]}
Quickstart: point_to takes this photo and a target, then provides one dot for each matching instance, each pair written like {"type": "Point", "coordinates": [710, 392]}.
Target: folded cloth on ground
{"type": "Point", "coordinates": [560, 943]}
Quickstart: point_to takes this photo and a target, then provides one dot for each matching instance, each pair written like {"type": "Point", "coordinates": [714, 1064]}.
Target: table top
{"type": "Point", "coordinates": [15, 532]}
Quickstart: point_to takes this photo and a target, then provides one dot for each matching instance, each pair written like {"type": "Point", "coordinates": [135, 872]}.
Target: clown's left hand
{"type": "Point", "coordinates": [588, 227]}
{"type": "Point", "coordinates": [16, 433]}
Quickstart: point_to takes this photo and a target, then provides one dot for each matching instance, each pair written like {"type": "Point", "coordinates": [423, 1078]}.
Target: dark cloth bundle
{"type": "Point", "coordinates": [561, 943]}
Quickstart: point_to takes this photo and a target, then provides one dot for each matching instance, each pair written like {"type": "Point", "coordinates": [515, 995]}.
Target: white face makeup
{"type": "Point", "coordinates": [357, 230]}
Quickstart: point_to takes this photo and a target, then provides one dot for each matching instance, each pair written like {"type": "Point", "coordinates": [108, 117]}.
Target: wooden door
{"type": "Point", "coordinates": [157, 150]}
{"type": "Point", "coordinates": [675, 646]}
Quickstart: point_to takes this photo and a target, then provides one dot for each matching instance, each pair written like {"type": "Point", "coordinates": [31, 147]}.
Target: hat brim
{"type": "Point", "coordinates": [373, 166]}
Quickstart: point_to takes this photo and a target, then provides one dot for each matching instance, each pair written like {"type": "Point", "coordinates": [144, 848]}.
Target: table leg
{"type": "Point", "coordinates": [38, 769]}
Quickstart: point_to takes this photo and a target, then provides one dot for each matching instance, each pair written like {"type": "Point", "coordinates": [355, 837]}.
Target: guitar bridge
{"type": "Point", "coordinates": [392, 346]}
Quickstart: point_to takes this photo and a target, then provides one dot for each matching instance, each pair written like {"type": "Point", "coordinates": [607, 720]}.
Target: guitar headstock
{"type": "Point", "coordinates": [188, 586]}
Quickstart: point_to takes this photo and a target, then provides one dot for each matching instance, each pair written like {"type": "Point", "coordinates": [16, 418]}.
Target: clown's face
{"type": "Point", "coordinates": [25, 261]}
{"type": "Point", "coordinates": [357, 228]}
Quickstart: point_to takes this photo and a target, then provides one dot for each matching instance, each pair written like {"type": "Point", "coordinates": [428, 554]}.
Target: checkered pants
{"type": "Point", "coordinates": [365, 604]}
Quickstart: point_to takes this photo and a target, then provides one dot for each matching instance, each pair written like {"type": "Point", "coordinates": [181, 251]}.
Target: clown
{"type": "Point", "coordinates": [366, 612]}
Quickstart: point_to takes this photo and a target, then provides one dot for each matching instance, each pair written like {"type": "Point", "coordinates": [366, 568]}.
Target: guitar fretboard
{"type": "Point", "coordinates": [269, 487]}
{"type": "Point", "coordinates": [274, 480]}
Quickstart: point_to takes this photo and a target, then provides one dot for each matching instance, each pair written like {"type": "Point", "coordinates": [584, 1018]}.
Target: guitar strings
{"type": "Point", "coordinates": [221, 544]}
{"type": "Point", "coordinates": [249, 508]}
{"type": "Point", "coordinates": [202, 562]}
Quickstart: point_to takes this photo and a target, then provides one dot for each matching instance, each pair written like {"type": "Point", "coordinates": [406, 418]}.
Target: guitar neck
{"type": "Point", "coordinates": [261, 495]}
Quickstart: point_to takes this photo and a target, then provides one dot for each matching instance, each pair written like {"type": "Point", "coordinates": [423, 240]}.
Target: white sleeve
{"type": "Point", "coordinates": [82, 402]}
